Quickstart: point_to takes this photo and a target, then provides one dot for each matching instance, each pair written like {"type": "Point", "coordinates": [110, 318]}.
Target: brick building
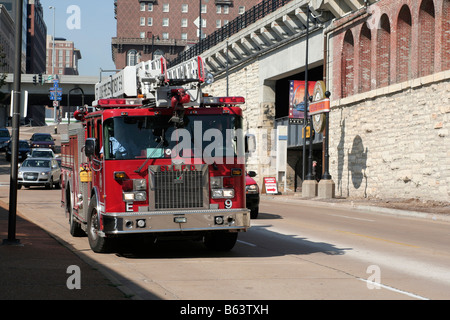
{"type": "Point", "coordinates": [167, 27]}
{"type": "Point", "coordinates": [395, 42]}
{"type": "Point", "coordinates": [389, 74]}
{"type": "Point", "coordinates": [66, 57]}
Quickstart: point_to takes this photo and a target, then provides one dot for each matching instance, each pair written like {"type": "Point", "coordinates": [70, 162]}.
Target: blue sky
{"type": "Point", "coordinates": [91, 30]}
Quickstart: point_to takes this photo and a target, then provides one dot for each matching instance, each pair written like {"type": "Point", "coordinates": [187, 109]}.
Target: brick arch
{"type": "Point", "coordinates": [383, 52]}
{"type": "Point", "coordinates": [404, 44]}
{"type": "Point", "coordinates": [445, 55]}
{"type": "Point", "coordinates": [426, 38]}
{"type": "Point", "coordinates": [347, 65]}
{"type": "Point", "coordinates": [365, 59]}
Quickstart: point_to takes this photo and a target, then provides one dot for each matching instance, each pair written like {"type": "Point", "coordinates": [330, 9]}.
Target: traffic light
{"type": "Point", "coordinates": [35, 80]}
{"type": "Point", "coordinates": [40, 79]}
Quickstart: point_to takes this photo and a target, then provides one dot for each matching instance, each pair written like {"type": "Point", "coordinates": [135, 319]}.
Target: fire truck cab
{"type": "Point", "coordinates": [158, 159]}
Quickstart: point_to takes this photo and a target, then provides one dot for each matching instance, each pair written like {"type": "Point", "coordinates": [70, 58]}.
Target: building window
{"type": "Point", "coordinates": [165, 22]}
{"type": "Point", "coordinates": [226, 9]}
{"type": "Point", "coordinates": [241, 9]}
{"type": "Point", "coordinates": [142, 6]}
{"type": "Point", "coordinates": [219, 9]}
{"type": "Point", "coordinates": [142, 23]}
{"type": "Point", "coordinates": [142, 35]}
{"type": "Point", "coordinates": [184, 23]}
{"type": "Point", "coordinates": [165, 36]}
{"type": "Point", "coordinates": [184, 8]}
{"type": "Point", "coordinates": [150, 22]}
{"type": "Point", "coordinates": [165, 7]}
{"type": "Point", "coordinates": [203, 8]}
{"type": "Point", "coordinates": [183, 36]}
{"type": "Point", "coordinates": [132, 57]}
{"type": "Point", "coordinates": [150, 7]}
{"type": "Point", "coordinates": [218, 24]}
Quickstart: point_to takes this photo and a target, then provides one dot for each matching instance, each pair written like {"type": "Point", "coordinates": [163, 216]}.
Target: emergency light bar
{"type": "Point", "coordinates": [114, 103]}
{"type": "Point", "coordinates": [217, 101]}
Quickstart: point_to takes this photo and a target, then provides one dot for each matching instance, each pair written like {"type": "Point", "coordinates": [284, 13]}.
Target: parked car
{"type": "Point", "coordinates": [44, 153]}
{"type": "Point", "coordinates": [24, 149]}
{"type": "Point", "coordinates": [4, 138]}
{"type": "Point", "coordinates": [39, 172]}
{"type": "Point", "coordinates": [252, 194]}
{"type": "Point", "coordinates": [42, 140]}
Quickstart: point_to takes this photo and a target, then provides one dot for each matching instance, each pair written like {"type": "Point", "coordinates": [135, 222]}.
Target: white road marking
{"type": "Point", "coordinates": [393, 289]}
{"type": "Point", "coordinates": [247, 243]}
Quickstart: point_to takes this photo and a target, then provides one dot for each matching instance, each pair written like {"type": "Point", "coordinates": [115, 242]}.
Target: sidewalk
{"type": "Point", "coordinates": [37, 268]}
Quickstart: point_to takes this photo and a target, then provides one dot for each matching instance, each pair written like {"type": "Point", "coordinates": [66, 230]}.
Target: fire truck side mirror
{"type": "Point", "coordinates": [89, 147]}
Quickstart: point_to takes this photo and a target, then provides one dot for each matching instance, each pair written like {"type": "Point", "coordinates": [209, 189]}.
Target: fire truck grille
{"type": "Point", "coordinates": [177, 189]}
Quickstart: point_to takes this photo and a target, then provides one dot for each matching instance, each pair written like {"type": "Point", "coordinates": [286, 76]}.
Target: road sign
{"type": "Point", "coordinates": [270, 183]}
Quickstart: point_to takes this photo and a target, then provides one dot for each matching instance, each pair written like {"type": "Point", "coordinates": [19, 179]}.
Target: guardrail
{"type": "Point", "coordinates": [250, 16]}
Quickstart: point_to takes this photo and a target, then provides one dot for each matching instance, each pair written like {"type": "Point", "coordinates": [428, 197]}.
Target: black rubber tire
{"type": "Point", "coordinates": [220, 241]}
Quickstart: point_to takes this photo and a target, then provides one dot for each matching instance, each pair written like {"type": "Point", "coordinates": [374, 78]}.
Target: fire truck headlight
{"type": "Point", "coordinates": [140, 196]}
{"type": "Point", "coordinates": [139, 184]}
{"type": "Point", "coordinates": [135, 196]}
{"type": "Point", "coordinates": [222, 193]}
{"type": "Point", "coordinates": [216, 182]}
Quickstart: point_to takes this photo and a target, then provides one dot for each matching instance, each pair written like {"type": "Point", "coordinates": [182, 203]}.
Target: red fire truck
{"type": "Point", "coordinates": [155, 156]}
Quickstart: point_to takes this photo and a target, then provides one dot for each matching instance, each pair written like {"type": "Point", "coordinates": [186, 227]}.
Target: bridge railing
{"type": "Point", "coordinates": [249, 17]}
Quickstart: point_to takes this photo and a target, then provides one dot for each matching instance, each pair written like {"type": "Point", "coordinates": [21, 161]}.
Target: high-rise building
{"type": "Point", "coordinates": [6, 41]}
{"type": "Point", "coordinates": [66, 57]}
{"type": "Point", "coordinates": [150, 28]}
{"type": "Point", "coordinates": [36, 38]}
{"type": "Point", "coordinates": [11, 7]}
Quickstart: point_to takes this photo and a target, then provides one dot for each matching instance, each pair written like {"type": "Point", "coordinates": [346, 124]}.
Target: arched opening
{"type": "Point", "coordinates": [365, 59]}
{"type": "Point", "coordinates": [132, 57]}
{"type": "Point", "coordinates": [426, 38]}
{"type": "Point", "coordinates": [384, 52]}
{"type": "Point", "coordinates": [404, 24]}
{"type": "Point", "coordinates": [347, 66]}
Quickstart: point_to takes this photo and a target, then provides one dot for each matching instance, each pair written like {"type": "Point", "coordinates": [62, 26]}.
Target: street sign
{"type": "Point", "coordinates": [270, 184]}
{"type": "Point", "coordinates": [319, 106]}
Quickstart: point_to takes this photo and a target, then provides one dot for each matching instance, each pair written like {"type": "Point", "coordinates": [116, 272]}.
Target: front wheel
{"type": "Point", "coordinates": [97, 243]}
{"type": "Point", "coordinates": [220, 241]}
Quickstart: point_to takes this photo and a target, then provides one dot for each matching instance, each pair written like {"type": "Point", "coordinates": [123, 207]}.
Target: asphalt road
{"type": "Point", "coordinates": [294, 250]}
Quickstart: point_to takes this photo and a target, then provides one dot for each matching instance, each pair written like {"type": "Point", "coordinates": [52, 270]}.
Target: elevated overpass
{"type": "Point", "coordinates": [38, 95]}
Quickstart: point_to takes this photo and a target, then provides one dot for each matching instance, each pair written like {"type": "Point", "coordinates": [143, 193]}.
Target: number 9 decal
{"type": "Point", "coordinates": [228, 204]}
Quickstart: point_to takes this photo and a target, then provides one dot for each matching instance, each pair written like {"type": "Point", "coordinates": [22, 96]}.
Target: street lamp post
{"type": "Point", "coordinates": [53, 45]}
{"type": "Point", "coordinates": [11, 240]}
{"type": "Point", "coordinates": [53, 57]}
{"type": "Point", "coordinates": [309, 186]}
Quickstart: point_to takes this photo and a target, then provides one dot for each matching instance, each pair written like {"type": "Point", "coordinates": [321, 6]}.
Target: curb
{"type": "Point", "coordinates": [359, 207]}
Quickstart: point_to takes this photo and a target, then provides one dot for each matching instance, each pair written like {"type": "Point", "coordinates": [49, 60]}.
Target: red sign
{"type": "Point", "coordinates": [270, 184]}
{"type": "Point", "coordinates": [297, 98]}
{"type": "Point", "coordinates": [319, 106]}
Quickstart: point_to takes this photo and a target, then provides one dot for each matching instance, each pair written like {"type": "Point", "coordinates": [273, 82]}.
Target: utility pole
{"type": "Point", "coordinates": [15, 129]}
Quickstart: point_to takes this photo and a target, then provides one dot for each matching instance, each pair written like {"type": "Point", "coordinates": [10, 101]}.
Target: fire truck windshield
{"type": "Point", "coordinates": [202, 136]}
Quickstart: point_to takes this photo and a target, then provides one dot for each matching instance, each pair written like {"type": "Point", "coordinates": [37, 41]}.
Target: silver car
{"type": "Point", "coordinates": [39, 172]}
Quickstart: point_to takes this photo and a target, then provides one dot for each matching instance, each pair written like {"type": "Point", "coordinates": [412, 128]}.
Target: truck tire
{"type": "Point", "coordinates": [97, 243]}
{"type": "Point", "coordinates": [74, 227]}
{"type": "Point", "coordinates": [220, 241]}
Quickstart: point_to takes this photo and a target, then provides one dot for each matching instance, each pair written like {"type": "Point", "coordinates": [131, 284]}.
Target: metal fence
{"type": "Point", "coordinates": [257, 12]}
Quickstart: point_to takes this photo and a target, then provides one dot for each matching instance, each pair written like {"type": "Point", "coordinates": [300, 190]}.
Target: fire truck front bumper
{"type": "Point", "coordinates": [176, 221]}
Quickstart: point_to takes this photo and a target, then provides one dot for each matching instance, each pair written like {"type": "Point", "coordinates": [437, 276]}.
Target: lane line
{"type": "Point", "coordinates": [378, 239]}
{"type": "Point", "coordinates": [342, 216]}
{"type": "Point", "coordinates": [247, 243]}
{"type": "Point", "coordinates": [380, 285]}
